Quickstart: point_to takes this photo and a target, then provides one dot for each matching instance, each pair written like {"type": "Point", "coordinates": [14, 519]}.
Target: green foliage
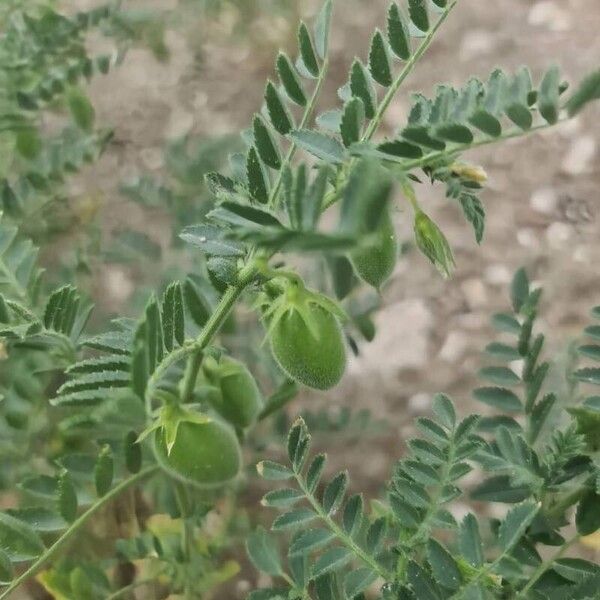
{"type": "Point", "coordinates": [75, 401]}
{"type": "Point", "coordinates": [408, 544]}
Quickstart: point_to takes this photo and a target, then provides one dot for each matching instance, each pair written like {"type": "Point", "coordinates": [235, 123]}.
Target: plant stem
{"type": "Point", "coordinates": [341, 535]}
{"type": "Point", "coordinates": [385, 103]}
{"type": "Point", "coordinates": [545, 566]}
{"type": "Point", "coordinates": [432, 509]}
{"type": "Point", "coordinates": [75, 527]}
{"type": "Point", "coordinates": [567, 500]}
{"type": "Point", "coordinates": [232, 293]}
{"type": "Point", "coordinates": [406, 71]}
{"type": "Point", "coordinates": [183, 501]}
{"type": "Point", "coordinates": [124, 591]}
{"type": "Point", "coordinates": [409, 165]}
{"type": "Point", "coordinates": [303, 123]}
{"type": "Point", "coordinates": [211, 327]}
{"type": "Point", "coordinates": [191, 374]}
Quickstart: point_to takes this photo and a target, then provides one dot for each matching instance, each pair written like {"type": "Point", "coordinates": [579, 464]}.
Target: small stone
{"type": "Point", "coordinates": [517, 366]}
{"type": "Point", "coordinates": [473, 321]}
{"type": "Point", "coordinates": [419, 403]}
{"type": "Point", "coordinates": [117, 284]}
{"type": "Point", "coordinates": [460, 510]}
{"type": "Point", "coordinates": [548, 14]}
{"type": "Point", "coordinates": [454, 347]}
{"type": "Point", "coordinates": [582, 254]}
{"type": "Point", "coordinates": [401, 341]}
{"type": "Point", "coordinates": [243, 586]}
{"type": "Point", "coordinates": [544, 200]}
{"type": "Point", "coordinates": [152, 158]}
{"type": "Point", "coordinates": [498, 274]}
{"type": "Point", "coordinates": [476, 43]}
{"type": "Point", "coordinates": [475, 292]}
{"type": "Point", "coordinates": [180, 123]}
{"type": "Point", "coordinates": [528, 238]}
{"type": "Point", "coordinates": [200, 100]}
{"type": "Point", "coordinates": [558, 234]}
{"type": "Point", "coordinates": [579, 156]}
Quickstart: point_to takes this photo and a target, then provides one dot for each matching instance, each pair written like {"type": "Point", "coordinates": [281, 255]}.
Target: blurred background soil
{"type": "Point", "coordinates": [542, 198]}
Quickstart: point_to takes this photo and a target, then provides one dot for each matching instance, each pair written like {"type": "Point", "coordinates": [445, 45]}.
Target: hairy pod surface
{"type": "Point", "coordinates": [204, 454]}
{"type": "Point", "coordinates": [239, 401]}
{"type": "Point", "coordinates": [375, 263]}
{"type": "Point", "coordinates": [319, 361]}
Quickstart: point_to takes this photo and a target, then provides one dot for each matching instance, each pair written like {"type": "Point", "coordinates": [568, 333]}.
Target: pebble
{"type": "Point", "coordinates": [498, 274]}
{"type": "Point", "coordinates": [153, 158]}
{"type": "Point", "coordinates": [476, 43]}
{"type": "Point", "coordinates": [549, 14]}
{"type": "Point", "coordinates": [460, 510]}
{"type": "Point", "coordinates": [558, 234]}
{"type": "Point", "coordinates": [579, 155]}
{"type": "Point", "coordinates": [544, 200]}
{"type": "Point", "coordinates": [517, 366]}
{"type": "Point", "coordinates": [475, 293]}
{"type": "Point", "coordinates": [582, 254]}
{"type": "Point", "coordinates": [180, 123]}
{"type": "Point", "coordinates": [401, 341]}
{"type": "Point", "coordinates": [118, 284]}
{"type": "Point", "coordinates": [419, 403]}
{"type": "Point", "coordinates": [528, 238]}
{"type": "Point", "coordinates": [454, 347]}
{"type": "Point", "coordinates": [243, 586]}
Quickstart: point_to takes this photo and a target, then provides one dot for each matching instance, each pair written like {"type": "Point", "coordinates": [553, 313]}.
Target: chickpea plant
{"type": "Point", "coordinates": [538, 456]}
{"type": "Point", "coordinates": [158, 404]}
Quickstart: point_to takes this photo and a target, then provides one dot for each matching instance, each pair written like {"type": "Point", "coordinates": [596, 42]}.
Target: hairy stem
{"type": "Point", "coordinates": [344, 172]}
{"type": "Point", "coordinates": [406, 71]}
{"type": "Point", "coordinates": [183, 502]}
{"type": "Point", "coordinates": [75, 527]}
{"type": "Point", "coordinates": [232, 293]}
{"type": "Point", "coordinates": [132, 586]}
{"type": "Point", "coordinates": [405, 165]}
{"type": "Point", "coordinates": [308, 111]}
{"type": "Point", "coordinates": [547, 564]}
{"type": "Point", "coordinates": [211, 328]}
{"type": "Point", "coordinates": [191, 374]}
{"type": "Point", "coordinates": [409, 165]}
{"type": "Point", "coordinates": [424, 526]}
{"type": "Point", "coordinates": [341, 535]}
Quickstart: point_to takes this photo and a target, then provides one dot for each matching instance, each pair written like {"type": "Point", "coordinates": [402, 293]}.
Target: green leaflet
{"type": "Point", "coordinates": [173, 317]}
{"type": "Point", "coordinates": [361, 86]}
{"type": "Point", "coordinates": [398, 35]}
{"type": "Point", "coordinates": [379, 60]}
{"type": "Point", "coordinates": [322, 146]}
{"type": "Point", "coordinates": [104, 471]}
{"type": "Point", "coordinates": [67, 498]}
{"type": "Point", "coordinates": [307, 51]}
{"type": "Point", "coordinates": [290, 80]}
{"type": "Point", "coordinates": [265, 145]}
{"type": "Point", "coordinates": [352, 123]}
{"type": "Point", "coordinates": [322, 27]}
{"type": "Point", "coordinates": [333, 496]}
{"type": "Point", "coordinates": [257, 178]}
{"type": "Point", "coordinates": [263, 552]}
{"type": "Point", "coordinates": [81, 108]}
{"type": "Point", "coordinates": [548, 95]}
{"type": "Point", "coordinates": [444, 567]}
{"type": "Point", "coordinates": [588, 90]}
{"type": "Point", "coordinates": [281, 118]}
{"type": "Point", "coordinates": [133, 453]}
{"type": "Point", "coordinates": [419, 14]}
{"type": "Point", "coordinates": [28, 143]}
{"type": "Point", "coordinates": [17, 540]}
